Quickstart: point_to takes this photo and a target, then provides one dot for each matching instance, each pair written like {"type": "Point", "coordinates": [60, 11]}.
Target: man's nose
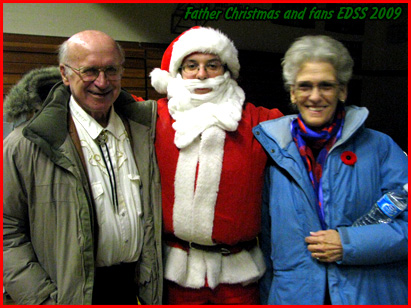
{"type": "Point", "coordinates": [101, 79]}
{"type": "Point", "coordinates": [202, 72]}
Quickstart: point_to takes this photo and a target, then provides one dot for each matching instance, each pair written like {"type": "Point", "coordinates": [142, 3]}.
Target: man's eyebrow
{"type": "Point", "coordinates": [209, 60]}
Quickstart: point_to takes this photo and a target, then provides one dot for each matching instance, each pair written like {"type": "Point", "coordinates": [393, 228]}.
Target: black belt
{"type": "Point", "coordinates": [224, 249]}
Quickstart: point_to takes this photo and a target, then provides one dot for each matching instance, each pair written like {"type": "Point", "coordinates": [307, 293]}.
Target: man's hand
{"type": "Point", "coordinates": [325, 246]}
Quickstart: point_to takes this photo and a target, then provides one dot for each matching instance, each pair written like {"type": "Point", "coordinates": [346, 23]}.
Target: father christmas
{"type": "Point", "coordinates": [211, 172]}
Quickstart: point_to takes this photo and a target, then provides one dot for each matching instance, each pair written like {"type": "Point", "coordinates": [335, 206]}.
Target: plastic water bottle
{"type": "Point", "coordinates": [385, 209]}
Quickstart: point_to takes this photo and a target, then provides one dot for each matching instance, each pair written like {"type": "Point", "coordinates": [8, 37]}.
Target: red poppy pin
{"type": "Point", "coordinates": [349, 158]}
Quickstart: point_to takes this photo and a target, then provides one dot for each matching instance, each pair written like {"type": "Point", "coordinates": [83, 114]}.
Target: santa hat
{"type": "Point", "coordinates": [196, 39]}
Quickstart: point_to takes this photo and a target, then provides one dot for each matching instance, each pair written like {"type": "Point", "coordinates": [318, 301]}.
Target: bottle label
{"type": "Point", "coordinates": [388, 208]}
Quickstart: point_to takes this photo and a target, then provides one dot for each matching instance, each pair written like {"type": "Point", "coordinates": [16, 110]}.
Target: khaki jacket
{"type": "Point", "coordinates": [49, 225]}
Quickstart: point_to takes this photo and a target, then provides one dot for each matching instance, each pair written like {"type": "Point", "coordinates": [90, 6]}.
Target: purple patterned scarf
{"type": "Point", "coordinates": [309, 142]}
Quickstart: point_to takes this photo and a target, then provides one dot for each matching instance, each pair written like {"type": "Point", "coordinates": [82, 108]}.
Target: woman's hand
{"type": "Point", "coordinates": [325, 245]}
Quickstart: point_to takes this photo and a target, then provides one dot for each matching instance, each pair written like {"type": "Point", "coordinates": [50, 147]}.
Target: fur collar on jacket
{"type": "Point", "coordinates": [27, 96]}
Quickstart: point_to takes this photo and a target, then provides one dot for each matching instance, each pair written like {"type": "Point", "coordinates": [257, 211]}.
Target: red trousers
{"type": "Point", "coordinates": [223, 294]}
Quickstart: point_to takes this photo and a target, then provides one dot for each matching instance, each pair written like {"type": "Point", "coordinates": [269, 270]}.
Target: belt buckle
{"type": "Point", "coordinates": [225, 251]}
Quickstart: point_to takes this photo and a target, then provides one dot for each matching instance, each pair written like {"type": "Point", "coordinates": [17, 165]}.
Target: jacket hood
{"type": "Point", "coordinates": [28, 95]}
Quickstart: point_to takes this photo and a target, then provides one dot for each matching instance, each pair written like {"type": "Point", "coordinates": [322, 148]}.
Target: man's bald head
{"type": "Point", "coordinates": [88, 40]}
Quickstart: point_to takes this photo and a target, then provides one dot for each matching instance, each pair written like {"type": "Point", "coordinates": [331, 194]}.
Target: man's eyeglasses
{"type": "Point", "coordinates": [325, 88]}
{"type": "Point", "coordinates": [91, 73]}
{"type": "Point", "coordinates": [193, 67]}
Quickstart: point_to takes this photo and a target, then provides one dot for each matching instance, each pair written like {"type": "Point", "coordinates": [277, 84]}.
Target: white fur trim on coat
{"type": "Point", "coordinates": [193, 212]}
{"type": "Point", "coordinates": [191, 269]}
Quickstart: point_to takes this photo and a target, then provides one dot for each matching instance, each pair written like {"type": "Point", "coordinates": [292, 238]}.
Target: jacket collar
{"type": "Point", "coordinates": [354, 120]}
{"type": "Point", "coordinates": [278, 130]}
{"type": "Point", "coordinates": [275, 137]}
{"type": "Point", "coordinates": [49, 127]}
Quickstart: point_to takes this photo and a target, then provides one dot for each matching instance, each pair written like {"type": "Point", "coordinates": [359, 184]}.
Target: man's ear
{"type": "Point", "coordinates": [63, 74]}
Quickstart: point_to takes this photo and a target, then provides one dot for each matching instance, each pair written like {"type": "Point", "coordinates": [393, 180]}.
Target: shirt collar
{"type": "Point", "coordinates": [92, 127]}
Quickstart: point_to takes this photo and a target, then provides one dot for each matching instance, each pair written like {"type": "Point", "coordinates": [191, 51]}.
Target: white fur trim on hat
{"type": "Point", "coordinates": [159, 80]}
{"type": "Point", "coordinates": [205, 40]}
{"type": "Point", "coordinates": [196, 39]}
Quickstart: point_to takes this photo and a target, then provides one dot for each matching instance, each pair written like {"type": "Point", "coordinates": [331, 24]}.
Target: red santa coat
{"type": "Point", "coordinates": [237, 212]}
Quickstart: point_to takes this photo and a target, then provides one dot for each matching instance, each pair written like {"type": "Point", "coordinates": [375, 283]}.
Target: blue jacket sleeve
{"type": "Point", "coordinates": [381, 243]}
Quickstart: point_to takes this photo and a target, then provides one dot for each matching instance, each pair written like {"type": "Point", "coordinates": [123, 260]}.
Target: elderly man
{"type": "Point", "coordinates": [82, 213]}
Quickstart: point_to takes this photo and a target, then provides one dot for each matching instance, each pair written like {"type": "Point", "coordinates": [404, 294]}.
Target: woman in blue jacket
{"type": "Point", "coordinates": [326, 171]}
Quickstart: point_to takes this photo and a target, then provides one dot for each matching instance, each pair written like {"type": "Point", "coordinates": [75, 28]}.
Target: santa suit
{"type": "Point", "coordinates": [231, 217]}
{"type": "Point", "coordinates": [211, 171]}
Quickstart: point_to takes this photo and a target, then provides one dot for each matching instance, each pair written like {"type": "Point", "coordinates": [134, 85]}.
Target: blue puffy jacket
{"type": "Point", "coordinates": [374, 267]}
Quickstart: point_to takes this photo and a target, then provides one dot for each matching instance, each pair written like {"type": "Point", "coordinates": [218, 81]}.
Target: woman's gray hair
{"type": "Point", "coordinates": [317, 48]}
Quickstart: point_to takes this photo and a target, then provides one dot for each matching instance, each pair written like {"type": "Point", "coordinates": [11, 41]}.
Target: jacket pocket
{"type": "Point", "coordinates": [135, 183]}
{"type": "Point", "coordinates": [98, 195]}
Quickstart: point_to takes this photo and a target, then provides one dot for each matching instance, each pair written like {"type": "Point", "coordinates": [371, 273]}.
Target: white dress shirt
{"type": "Point", "coordinates": [115, 184]}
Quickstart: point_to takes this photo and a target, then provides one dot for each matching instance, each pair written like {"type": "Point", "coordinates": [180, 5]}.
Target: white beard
{"type": "Point", "coordinates": [193, 113]}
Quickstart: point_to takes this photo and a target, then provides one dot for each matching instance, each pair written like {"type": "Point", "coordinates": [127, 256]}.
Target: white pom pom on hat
{"type": "Point", "coordinates": [196, 39]}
